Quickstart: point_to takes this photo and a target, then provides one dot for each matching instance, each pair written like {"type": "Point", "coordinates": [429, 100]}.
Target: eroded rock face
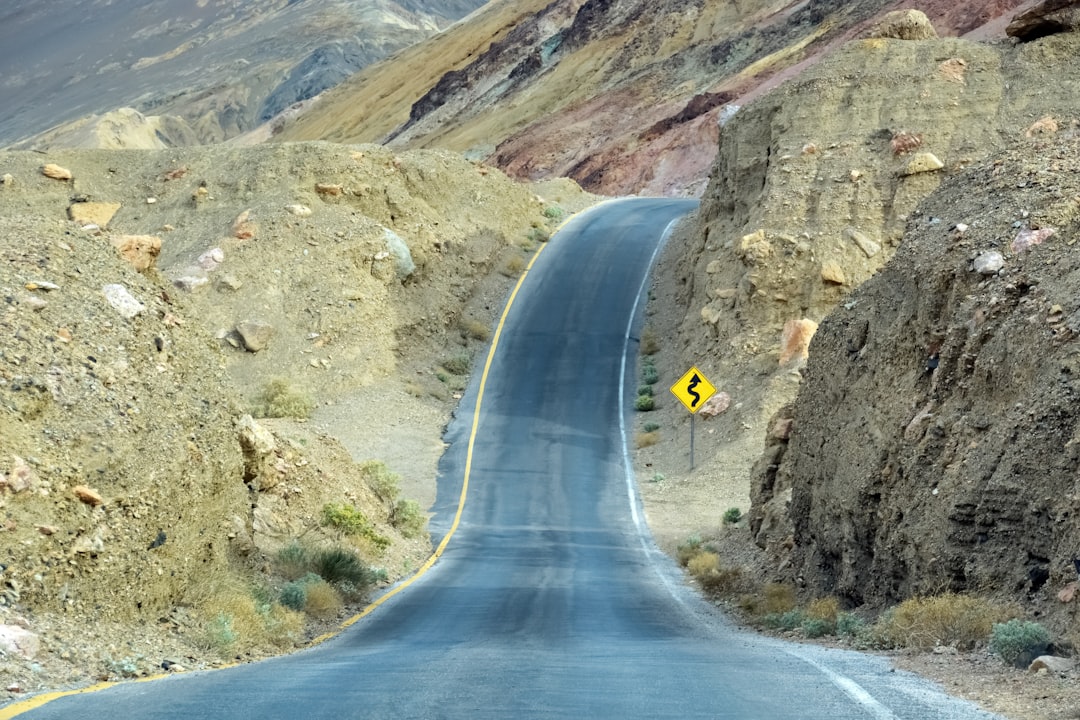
{"type": "Point", "coordinates": [904, 25]}
{"type": "Point", "coordinates": [936, 438]}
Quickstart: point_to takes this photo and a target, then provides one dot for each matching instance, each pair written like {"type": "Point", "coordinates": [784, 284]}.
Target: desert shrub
{"type": "Point", "coordinates": [950, 619]}
{"type": "Point", "coordinates": [513, 266]}
{"type": "Point", "coordinates": [788, 620]}
{"type": "Point", "coordinates": [408, 518]}
{"type": "Point", "coordinates": [657, 477]}
{"type": "Point", "coordinates": [322, 600]}
{"type": "Point", "coordinates": [731, 516]}
{"type": "Point", "coordinates": [219, 634]}
{"type": "Point", "coordinates": [849, 624]}
{"type": "Point", "coordinates": [292, 561]}
{"type": "Point", "coordinates": [1018, 642]}
{"type": "Point", "coordinates": [649, 374]}
{"type": "Point", "coordinates": [688, 549]}
{"type": "Point", "coordinates": [294, 595]}
{"type": "Point", "coordinates": [415, 389]}
{"type": "Point", "coordinates": [645, 390]}
{"type": "Point", "coordinates": [773, 599]}
{"type": "Point", "coordinates": [278, 399]}
{"type": "Point", "coordinates": [827, 609]}
{"type": "Point", "coordinates": [538, 235]}
{"type": "Point", "coordinates": [650, 427]}
{"type": "Point", "coordinates": [649, 343]}
{"type": "Point", "coordinates": [703, 563]}
{"type": "Point", "coordinates": [644, 403]}
{"type": "Point", "coordinates": [383, 483]}
{"type": "Point", "coordinates": [647, 439]}
{"type": "Point", "coordinates": [554, 213]}
{"type": "Point", "coordinates": [341, 565]}
{"type": "Point", "coordinates": [353, 522]}
{"type": "Point", "coordinates": [458, 364]}
{"type": "Point", "coordinates": [817, 628]}
{"type": "Point", "coordinates": [476, 330]}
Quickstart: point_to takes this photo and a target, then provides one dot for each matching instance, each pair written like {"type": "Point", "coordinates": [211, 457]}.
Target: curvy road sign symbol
{"type": "Point", "coordinates": [693, 389]}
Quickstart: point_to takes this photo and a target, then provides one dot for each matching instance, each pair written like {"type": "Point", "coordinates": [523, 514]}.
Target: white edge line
{"type": "Point", "coordinates": [851, 688]}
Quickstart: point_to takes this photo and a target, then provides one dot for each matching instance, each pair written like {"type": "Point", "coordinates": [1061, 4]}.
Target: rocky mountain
{"type": "Point", "coordinates": [623, 96]}
{"type": "Point", "coordinates": [186, 72]}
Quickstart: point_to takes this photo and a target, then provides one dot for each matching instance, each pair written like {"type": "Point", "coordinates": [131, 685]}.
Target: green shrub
{"type": "Point", "coordinates": [538, 235]}
{"type": "Point", "coordinates": [645, 390]}
{"type": "Point", "coordinates": [345, 517]}
{"type": "Point", "coordinates": [816, 628]}
{"type": "Point", "coordinates": [278, 399]}
{"type": "Point", "coordinates": [650, 427]}
{"type": "Point", "coordinates": [383, 483]}
{"type": "Point", "coordinates": [554, 213]}
{"type": "Point", "coordinates": [408, 518]}
{"type": "Point", "coordinates": [292, 560]}
{"type": "Point", "coordinates": [1018, 642]}
{"type": "Point", "coordinates": [341, 565]}
{"type": "Point", "coordinates": [732, 515]}
{"type": "Point", "coordinates": [688, 549]}
{"type": "Point", "coordinates": [294, 595]}
{"type": "Point", "coordinates": [458, 364]}
{"type": "Point", "coordinates": [657, 477]}
{"type": "Point", "coordinates": [789, 620]}
{"type": "Point", "coordinates": [849, 624]}
{"type": "Point", "coordinates": [644, 403]}
{"type": "Point", "coordinates": [220, 635]}
{"type": "Point", "coordinates": [650, 375]}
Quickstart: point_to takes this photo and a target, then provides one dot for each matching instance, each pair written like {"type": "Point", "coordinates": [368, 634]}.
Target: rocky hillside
{"type": "Point", "coordinates": [933, 417]}
{"type": "Point", "coordinates": [133, 74]}
{"type": "Point", "coordinates": [624, 97]}
{"type": "Point", "coordinates": [154, 302]}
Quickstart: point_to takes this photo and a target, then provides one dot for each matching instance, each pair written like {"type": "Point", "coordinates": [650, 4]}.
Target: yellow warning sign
{"type": "Point", "coordinates": [693, 389]}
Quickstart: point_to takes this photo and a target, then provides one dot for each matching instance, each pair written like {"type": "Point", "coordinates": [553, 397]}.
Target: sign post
{"type": "Point", "coordinates": [692, 390]}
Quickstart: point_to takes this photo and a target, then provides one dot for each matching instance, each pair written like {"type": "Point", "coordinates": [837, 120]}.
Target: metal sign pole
{"type": "Point", "coordinates": [692, 416]}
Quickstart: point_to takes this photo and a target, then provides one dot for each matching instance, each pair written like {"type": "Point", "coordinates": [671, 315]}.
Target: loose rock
{"type": "Point", "coordinates": [715, 405]}
{"type": "Point", "coordinates": [989, 262]}
{"type": "Point", "coordinates": [122, 301]}
{"type": "Point", "coordinates": [19, 641]}
{"type": "Point", "coordinates": [255, 334]}
{"type": "Point", "coordinates": [1046, 18]}
{"type": "Point", "coordinates": [299, 210]}
{"type": "Point", "coordinates": [93, 213]}
{"type": "Point", "coordinates": [88, 495]}
{"type": "Point", "coordinates": [140, 250]}
{"type": "Point", "coordinates": [923, 163]}
{"type": "Point", "coordinates": [1026, 239]}
{"type": "Point", "coordinates": [56, 172]}
{"type": "Point", "coordinates": [832, 273]}
{"type": "Point", "coordinates": [795, 341]}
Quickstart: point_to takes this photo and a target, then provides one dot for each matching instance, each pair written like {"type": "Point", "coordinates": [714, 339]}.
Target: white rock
{"type": "Point", "coordinates": [122, 300]}
{"type": "Point", "coordinates": [19, 641]}
{"type": "Point", "coordinates": [299, 210]}
{"type": "Point", "coordinates": [989, 262]}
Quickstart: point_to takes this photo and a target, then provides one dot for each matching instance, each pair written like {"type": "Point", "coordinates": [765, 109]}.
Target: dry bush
{"type": "Point", "coordinates": [825, 609]}
{"type": "Point", "coordinates": [647, 439]}
{"type": "Point", "coordinates": [650, 345]}
{"type": "Point", "coordinates": [926, 622]}
{"type": "Point", "coordinates": [323, 601]}
{"type": "Point", "coordinates": [476, 330]}
{"type": "Point", "coordinates": [772, 599]}
{"type": "Point", "coordinates": [236, 623]}
{"type": "Point", "coordinates": [715, 580]}
{"type": "Point", "coordinates": [703, 563]}
{"type": "Point", "coordinates": [513, 266]}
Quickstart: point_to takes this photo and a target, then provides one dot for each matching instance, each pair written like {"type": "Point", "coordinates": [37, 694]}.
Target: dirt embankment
{"type": "Point", "coordinates": [150, 299]}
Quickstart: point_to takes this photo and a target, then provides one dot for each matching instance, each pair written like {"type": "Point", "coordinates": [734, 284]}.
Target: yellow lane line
{"type": "Point", "coordinates": [37, 701]}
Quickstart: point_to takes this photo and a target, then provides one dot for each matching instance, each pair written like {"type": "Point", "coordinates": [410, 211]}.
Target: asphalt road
{"type": "Point", "coordinates": [550, 600]}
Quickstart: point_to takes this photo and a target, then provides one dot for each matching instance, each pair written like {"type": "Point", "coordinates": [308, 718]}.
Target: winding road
{"type": "Point", "coordinates": [550, 599]}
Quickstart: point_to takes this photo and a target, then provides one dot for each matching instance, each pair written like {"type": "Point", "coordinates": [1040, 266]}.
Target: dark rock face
{"type": "Point", "coordinates": [937, 435]}
{"type": "Point", "coordinates": [1046, 18]}
{"type": "Point", "coordinates": [324, 68]}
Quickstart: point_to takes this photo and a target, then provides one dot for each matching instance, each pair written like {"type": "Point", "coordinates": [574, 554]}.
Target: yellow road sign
{"type": "Point", "coordinates": [693, 389]}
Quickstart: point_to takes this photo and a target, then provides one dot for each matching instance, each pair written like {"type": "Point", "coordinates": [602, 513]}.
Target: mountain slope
{"type": "Point", "coordinates": [623, 96]}
{"type": "Point", "coordinates": [222, 66]}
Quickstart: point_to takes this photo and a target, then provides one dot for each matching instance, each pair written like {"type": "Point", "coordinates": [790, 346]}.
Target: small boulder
{"type": "Point", "coordinates": [1046, 18]}
{"type": "Point", "coordinates": [403, 261]}
{"type": "Point", "coordinates": [868, 246]}
{"type": "Point", "coordinates": [19, 641]}
{"type": "Point", "coordinates": [904, 25]}
{"type": "Point", "coordinates": [88, 495]}
{"type": "Point", "coordinates": [244, 228]}
{"type": "Point", "coordinates": [833, 274]}
{"type": "Point", "coordinates": [8, 180]}
{"type": "Point", "coordinates": [716, 405]}
{"type": "Point", "coordinates": [93, 213]}
{"type": "Point", "coordinates": [329, 189]}
{"type": "Point", "coordinates": [923, 163]}
{"type": "Point", "coordinates": [1052, 663]}
{"type": "Point", "coordinates": [140, 250]}
{"type": "Point", "coordinates": [56, 172]}
{"type": "Point", "coordinates": [255, 335]}
{"type": "Point", "coordinates": [299, 210]}
{"type": "Point", "coordinates": [122, 301]}
{"type": "Point", "coordinates": [988, 263]}
{"type": "Point", "coordinates": [1027, 239]}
